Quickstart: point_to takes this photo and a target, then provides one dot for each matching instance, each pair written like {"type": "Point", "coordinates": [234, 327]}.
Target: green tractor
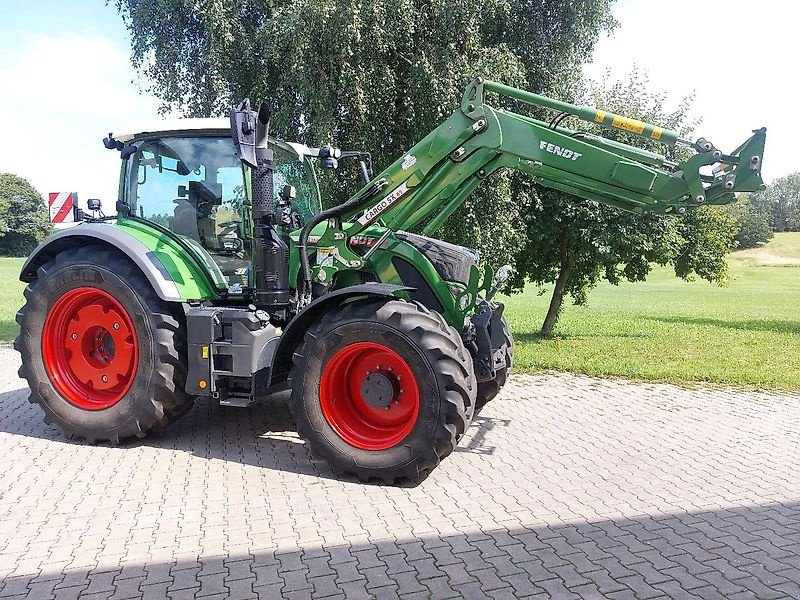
{"type": "Point", "coordinates": [221, 276]}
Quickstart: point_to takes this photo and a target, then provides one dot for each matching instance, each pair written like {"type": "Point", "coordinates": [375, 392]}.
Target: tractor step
{"type": "Point", "coordinates": [237, 401]}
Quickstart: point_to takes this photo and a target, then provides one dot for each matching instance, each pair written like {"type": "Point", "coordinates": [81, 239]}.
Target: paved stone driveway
{"type": "Point", "coordinates": [565, 487]}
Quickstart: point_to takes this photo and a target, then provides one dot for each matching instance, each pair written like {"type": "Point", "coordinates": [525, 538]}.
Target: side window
{"type": "Point", "coordinates": [167, 167]}
{"type": "Point", "coordinates": [194, 186]}
{"type": "Point", "coordinates": [229, 215]}
{"type": "Point", "coordinates": [290, 171]}
{"type": "Point", "coordinates": [159, 179]}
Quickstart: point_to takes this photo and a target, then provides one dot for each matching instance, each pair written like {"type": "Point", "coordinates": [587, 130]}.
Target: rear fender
{"type": "Point", "coordinates": [174, 276]}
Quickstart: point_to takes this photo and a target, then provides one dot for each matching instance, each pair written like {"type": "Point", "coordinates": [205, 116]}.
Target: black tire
{"type": "Point", "coordinates": [155, 396]}
{"type": "Point", "coordinates": [439, 362]}
{"type": "Point", "coordinates": [487, 390]}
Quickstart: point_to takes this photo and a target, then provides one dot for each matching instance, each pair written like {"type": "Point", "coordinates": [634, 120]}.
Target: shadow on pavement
{"type": "Point", "coordinates": [261, 435]}
{"type": "Point", "coordinates": [737, 552]}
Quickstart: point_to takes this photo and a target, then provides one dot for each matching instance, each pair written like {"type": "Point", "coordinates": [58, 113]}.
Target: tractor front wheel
{"type": "Point", "coordinates": [103, 355]}
{"type": "Point", "coordinates": [382, 390]}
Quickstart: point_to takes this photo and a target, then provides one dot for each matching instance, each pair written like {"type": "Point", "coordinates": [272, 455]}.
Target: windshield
{"type": "Point", "coordinates": [194, 186]}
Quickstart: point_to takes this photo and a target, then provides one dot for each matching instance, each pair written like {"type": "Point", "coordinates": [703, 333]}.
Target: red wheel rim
{"type": "Point", "coordinates": [89, 348]}
{"type": "Point", "coordinates": [361, 423]}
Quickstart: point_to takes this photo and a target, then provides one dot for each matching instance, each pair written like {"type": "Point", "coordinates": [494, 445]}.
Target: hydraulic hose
{"type": "Point", "coordinates": [331, 213]}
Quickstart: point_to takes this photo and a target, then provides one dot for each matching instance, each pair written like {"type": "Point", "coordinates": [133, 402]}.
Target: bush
{"type": "Point", "coordinates": [24, 219]}
{"type": "Point", "coordinates": [752, 219]}
{"type": "Point", "coordinates": [754, 228]}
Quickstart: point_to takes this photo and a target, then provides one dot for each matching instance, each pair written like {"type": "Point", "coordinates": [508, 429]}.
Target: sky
{"type": "Point", "coordinates": [738, 57]}
{"type": "Point", "coordinates": [66, 80]}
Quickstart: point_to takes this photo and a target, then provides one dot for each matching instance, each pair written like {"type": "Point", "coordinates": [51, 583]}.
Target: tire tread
{"type": "Point", "coordinates": [167, 396]}
{"type": "Point", "coordinates": [452, 366]}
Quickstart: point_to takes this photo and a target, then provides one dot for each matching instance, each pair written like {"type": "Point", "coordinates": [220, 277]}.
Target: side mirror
{"type": "Point", "coordinates": [243, 131]}
{"type": "Point", "coordinates": [111, 143]}
{"type": "Point", "coordinates": [329, 157]}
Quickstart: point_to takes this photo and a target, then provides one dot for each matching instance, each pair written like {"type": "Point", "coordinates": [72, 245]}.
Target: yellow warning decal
{"type": "Point", "coordinates": [656, 134]}
{"type": "Point", "coordinates": [204, 352]}
{"type": "Point", "coordinates": [628, 124]}
{"type": "Point", "coordinates": [600, 116]}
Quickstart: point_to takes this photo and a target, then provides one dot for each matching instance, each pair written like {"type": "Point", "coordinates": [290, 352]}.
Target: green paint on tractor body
{"type": "Point", "coordinates": [431, 180]}
{"type": "Point", "coordinates": [417, 192]}
{"type": "Point", "coordinates": [188, 264]}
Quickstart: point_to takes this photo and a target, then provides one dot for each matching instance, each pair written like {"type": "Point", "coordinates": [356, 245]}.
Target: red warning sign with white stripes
{"type": "Point", "coordinates": [61, 204]}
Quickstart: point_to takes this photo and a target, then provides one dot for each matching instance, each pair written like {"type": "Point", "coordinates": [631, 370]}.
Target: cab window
{"type": "Point", "coordinates": [194, 186]}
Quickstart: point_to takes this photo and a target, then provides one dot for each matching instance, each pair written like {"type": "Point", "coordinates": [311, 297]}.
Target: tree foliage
{"type": "Point", "coordinates": [752, 221]}
{"type": "Point", "coordinates": [24, 219]}
{"type": "Point", "coordinates": [576, 243]}
{"type": "Point", "coordinates": [374, 75]}
{"type": "Point", "coordinates": [780, 202]}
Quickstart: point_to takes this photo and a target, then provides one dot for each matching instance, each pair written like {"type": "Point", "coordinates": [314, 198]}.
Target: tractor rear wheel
{"type": "Point", "coordinates": [487, 390]}
{"type": "Point", "coordinates": [382, 390]}
{"type": "Point", "coordinates": [103, 355]}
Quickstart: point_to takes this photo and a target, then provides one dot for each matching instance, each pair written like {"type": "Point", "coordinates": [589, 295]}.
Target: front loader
{"type": "Point", "coordinates": [220, 276]}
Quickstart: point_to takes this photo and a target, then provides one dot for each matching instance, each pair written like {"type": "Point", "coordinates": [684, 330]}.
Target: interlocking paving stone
{"type": "Point", "coordinates": [564, 486]}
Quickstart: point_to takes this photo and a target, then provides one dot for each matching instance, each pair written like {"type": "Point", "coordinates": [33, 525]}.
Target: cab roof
{"type": "Point", "coordinates": [220, 125]}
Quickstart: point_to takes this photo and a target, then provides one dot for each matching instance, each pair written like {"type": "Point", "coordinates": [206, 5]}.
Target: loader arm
{"type": "Point", "coordinates": [430, 181]}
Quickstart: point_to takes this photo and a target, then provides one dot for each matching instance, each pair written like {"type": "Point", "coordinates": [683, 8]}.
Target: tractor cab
{"type": "Point", "coordinates": [189, 179]}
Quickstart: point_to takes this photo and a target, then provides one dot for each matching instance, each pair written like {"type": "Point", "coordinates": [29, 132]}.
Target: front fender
{"type": "Point", "coordinates": [174, 276]}
{"type": "Point", "coordinates": [296, 328]}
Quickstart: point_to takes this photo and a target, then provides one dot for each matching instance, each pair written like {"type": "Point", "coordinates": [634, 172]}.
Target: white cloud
{"type": "Point", "coordinates": [61, 95]}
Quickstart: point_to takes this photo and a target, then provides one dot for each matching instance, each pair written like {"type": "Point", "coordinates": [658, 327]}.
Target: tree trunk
{"type": "Point", "coordinates": [561, 283]}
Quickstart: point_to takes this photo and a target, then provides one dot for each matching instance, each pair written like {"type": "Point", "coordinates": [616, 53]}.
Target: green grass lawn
{"type": "Point", "coordinates": [10, 297]}
{"type": "Point", "coordinates": [669, 330]}
{"type": "Point", "coordinates": [782, 251]}
{"type": "Point", "coordinates": [664, 329]}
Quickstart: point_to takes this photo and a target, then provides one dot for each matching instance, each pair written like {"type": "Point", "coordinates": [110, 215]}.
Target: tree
{"type": "Point", "coordinates": [24, 219]}
{"type": "Point", "coordinates": [781, 202]}
{"type": "Point", "coordinates": [376, 75]}
{"type": "Point", "coordinates": [576, 243]}
{"type": "Point", "coordinates": [752, 221]}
